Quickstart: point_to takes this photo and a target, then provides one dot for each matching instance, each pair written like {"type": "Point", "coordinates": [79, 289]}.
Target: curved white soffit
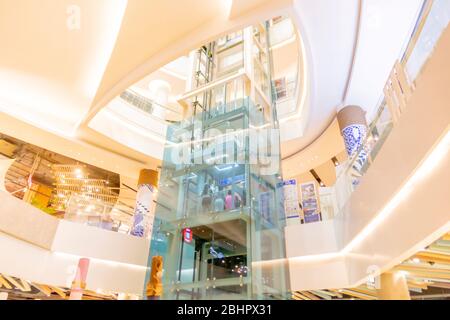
{"type": "Point", "coordinates": [52, 66]}
{"type": "Point", "coordinates": [293, 125]}
{"type": "Point", "coordinates": [321, 150]}
{"type": "Point", "coordinates": [131, 128]}
{"type": "Point", "coordinates": [213, 29]}
{"type": "Point", "coordinates": [328, 31]}
{"type": "Point", "coordinates": [385, 31]}
{"type": "Point", "coordinates": [303, 79]}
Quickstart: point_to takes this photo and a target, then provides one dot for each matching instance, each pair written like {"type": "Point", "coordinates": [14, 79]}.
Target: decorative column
{"type": "Point", "coordinates": [79, 283]}
{"type": "Point", "coordinates": [154, 285]}
{"type": "Point", "coordinates": [353, 126]}
{"type": "Point", "coordinates": [144, 209]}
{"type": "Point", "coordinates": [393, 286]}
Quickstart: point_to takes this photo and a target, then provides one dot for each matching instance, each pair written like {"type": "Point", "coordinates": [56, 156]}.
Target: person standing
{"type": "Point", "coordinates": [229, 201]}
{"type": "Point", "coordinates": [206, 198]}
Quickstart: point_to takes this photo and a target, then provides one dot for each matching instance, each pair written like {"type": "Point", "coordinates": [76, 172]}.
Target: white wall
{"type": "Point", "coordinates": [315, 274]}
{"type": "Point", "coordinates": [40, 248]}
{"type": "Point", "coordinates": [321, 239]}
{"type": "Point", "coordinates": [82, 240]}
{"type": "Point", "coordinates": [25, 222]}
{"type": "Point", "coordinates": [26, 261]}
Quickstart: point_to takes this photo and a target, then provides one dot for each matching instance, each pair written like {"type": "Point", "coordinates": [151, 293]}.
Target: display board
{"type": "Point", "coordinates": [310, 202]}
{"type": "Point", "coordinates": [290, 196]}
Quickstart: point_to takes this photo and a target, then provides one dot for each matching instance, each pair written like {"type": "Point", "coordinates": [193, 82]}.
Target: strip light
{"type": "Point", "coordinates": [109, 263]}
{"type": "Point", "coordinates": [433, 160]}
{"type": "Point", "coordinates": [425, 169]}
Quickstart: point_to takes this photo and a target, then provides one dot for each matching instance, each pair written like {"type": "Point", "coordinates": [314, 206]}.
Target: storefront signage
{"type": "Point", "coordinates": [187, 235]}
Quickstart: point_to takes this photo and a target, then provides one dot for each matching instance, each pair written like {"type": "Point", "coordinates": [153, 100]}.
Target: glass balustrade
{"type": "Point", "coordinates": [435, 19]}
{"type": "Point", "coordinates": [94, 212]}
{"type": "Point", "coordinates": [286, 89]}
{"type": "Point", "coordinates": [158, 111]}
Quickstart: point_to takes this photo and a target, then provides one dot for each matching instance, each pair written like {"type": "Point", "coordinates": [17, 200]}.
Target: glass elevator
{"type": "Point", "coordinates": [219, 219]}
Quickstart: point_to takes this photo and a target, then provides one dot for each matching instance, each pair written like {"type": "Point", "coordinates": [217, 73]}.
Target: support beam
{"type": "Point", "coordinates": [358, 295]}
{"type": "Point", "coordinates": [4, 283]}
{"type": "Point", "coordinates": [433, 257]}
{"type": "Point", "coordinates": [310, 295]}
{"type": "Point", "coordinates": [44, 289]}
{"type": "Point", "coordinates": [300, 296]}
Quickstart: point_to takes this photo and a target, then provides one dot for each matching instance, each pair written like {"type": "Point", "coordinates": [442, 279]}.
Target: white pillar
{"type": "Point", "coordinates": [144, 211]}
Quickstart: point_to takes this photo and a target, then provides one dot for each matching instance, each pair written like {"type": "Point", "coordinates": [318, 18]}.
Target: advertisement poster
{"type": "Point", "coordinates": [290, 195]}
{"type": "Point", "coordinates": [310, 203]}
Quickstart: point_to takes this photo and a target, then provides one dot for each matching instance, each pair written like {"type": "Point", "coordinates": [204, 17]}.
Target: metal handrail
{"type": "Point", "coordinates": [145, 104]}
{"type": "Point", "coordinates": [418, 28]}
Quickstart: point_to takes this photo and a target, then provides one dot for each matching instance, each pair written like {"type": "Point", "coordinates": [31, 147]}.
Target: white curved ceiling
{"type": "Point", "coordinates": [49, 68]}
{"type": "Point", "coordinates": [57, 78]}
{"type": "Point", "coordinates": [149, 27]}
{"type": "Point", "coordinates": [53, 74]}
{"type": "Point", "coordinates": [352, 46]}
{"type": "Point", "coordinates": [385, 30]}
{"type": "Point", "coordinates": [328, 29]}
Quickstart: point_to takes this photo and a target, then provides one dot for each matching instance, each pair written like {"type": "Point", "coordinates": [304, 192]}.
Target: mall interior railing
{"type": "Point", "coordinates": [286, 98]}
{"type": "Point", "coordinates": [286, 95]}
{"type": "Point", "coordinates": [158, 111]}
{"type": "Point", "coordinates": [93, 212]}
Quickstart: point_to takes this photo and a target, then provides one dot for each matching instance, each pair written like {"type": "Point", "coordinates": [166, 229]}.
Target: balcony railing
{"type": "Point", "coordinates": [96, 213]}
{"type": "Point", "coordinates": [286, 98]}
{"type": "Point", "coordinates": [158, 111]}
